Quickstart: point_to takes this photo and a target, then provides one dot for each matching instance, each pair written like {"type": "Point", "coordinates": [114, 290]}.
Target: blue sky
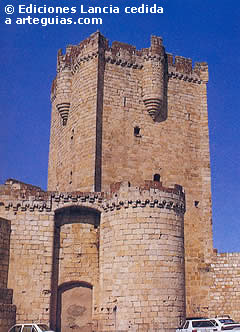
{"type": "Point", "coordinates": [206, 30]}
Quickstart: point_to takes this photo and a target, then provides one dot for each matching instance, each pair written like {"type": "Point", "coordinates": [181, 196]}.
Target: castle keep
{"type": "Point", "coordinates": [122, 239]}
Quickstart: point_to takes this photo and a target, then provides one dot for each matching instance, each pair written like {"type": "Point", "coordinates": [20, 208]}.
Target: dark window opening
{"type": "Point", "coordinates": [137, 131]}
{"type": "Point", "coordinates": [156, 177]}
{"type": "Point", "coordinates": [196, 203]}
{"type": "Point", "coordinates": [72, 134]}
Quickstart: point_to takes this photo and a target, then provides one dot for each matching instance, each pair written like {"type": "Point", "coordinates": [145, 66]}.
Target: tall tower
{"type": "Point", "coordinates": [122, 114]}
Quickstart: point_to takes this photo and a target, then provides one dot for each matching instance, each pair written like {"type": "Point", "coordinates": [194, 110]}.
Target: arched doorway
{"type": "Point", "coordinates": [74, 308]}
{"type": "Point", "coordinates": [75, 257]}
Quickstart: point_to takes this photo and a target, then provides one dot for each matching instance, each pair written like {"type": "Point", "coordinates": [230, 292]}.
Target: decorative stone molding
{"type": "Point", "coordinates": [63, 110]}
{"type": "Point", "coordinates": [153, 106]}
{"type": "Point", "coordinates": [33, 204]}
{"type": "Point", "coordinates": [155, 80]}
{"type": "Point", "coordinates": [123, 62]}
{"type": "Point", "coordinates": [134, 197]}
{"type": "Point", "coordinates": [157, 58]}
{"type": "Point", "coordinates": [184, 77]}
{"type": "Point", "coordinates": [168, 204]}
{"type": "Point", "coordinates": [82, 59]}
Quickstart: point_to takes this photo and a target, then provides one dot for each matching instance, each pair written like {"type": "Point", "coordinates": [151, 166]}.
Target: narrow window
{"type": "Point", "coordinates": [196, 203]}
{"type": "Point", "coordinates": [72, 134]}
{"type": "Point", "coordinates": [136, 131]}
{"type": "Point", "coordinates": [156, 177]}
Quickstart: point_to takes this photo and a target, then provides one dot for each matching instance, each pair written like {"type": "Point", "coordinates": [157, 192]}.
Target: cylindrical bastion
{"type": "Point", "coordinates": [142, 259]}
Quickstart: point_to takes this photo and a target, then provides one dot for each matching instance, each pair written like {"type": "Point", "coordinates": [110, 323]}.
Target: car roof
{"type": "Point", "coordinates": [20, 324]}
{"type": "Point", "coordinates": [29, 324]}
{"type": "Point", "coordinates": [196, 318]}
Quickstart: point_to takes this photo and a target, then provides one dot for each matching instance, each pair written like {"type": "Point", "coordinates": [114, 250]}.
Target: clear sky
{"type": "Point", "coordinates": [204, 30]}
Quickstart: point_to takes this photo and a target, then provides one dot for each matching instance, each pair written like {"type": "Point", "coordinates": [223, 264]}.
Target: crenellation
{"type": "Point", "coordinates": [182, 68]}
{"type": "Point", "coordinates": [63, 61]}
{"type": "Point", "coordinates": [111, 239]}
{"type": "Point", "coordinates": [201, 69]}
{"type": "Point", "coordinates": [128, 297]}
{"type": "Point", "coordinates": [157, 44]}
{"type": "Point", "coordinates": [121, 195]}
{"type": "Point", "coordinates": [183, 65]}
{"type": "Point", "coordinates": [118, 47]}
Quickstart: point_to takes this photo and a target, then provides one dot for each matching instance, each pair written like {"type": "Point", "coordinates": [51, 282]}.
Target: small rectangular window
{"type": "Point", "coordinates": [136, 131]}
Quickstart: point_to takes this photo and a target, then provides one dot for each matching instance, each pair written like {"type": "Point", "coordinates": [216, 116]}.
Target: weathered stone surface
{"type": "Point", "coordinates": [110, 87]}
{"type": "Point", "coordinates": [114, 244]}
{"type": "Point", "coordinates": [7, 309]}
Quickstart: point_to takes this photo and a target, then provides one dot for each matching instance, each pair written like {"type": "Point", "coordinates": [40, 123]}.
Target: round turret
{"type": "Point", "coordinates": [142, 260]}
{"type": "Point", "coordinates": [154, 79]}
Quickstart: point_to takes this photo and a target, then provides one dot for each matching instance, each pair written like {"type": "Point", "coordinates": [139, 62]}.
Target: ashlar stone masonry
{"type": "Point", "coordinates": [115, 244]}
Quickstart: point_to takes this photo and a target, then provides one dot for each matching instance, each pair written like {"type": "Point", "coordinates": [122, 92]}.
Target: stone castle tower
{"type": "Point", "coordinates": [121, 114]}
{"type": "Point", "coordinates": [122, 239]}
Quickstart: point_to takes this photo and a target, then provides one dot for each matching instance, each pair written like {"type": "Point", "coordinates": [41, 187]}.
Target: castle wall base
{"type": "Point", "coordinates": [7, 316]}
{"type": "Point", "coordinates": [225, 289]}
{"type": "Point", "coordinates": [7, 309]}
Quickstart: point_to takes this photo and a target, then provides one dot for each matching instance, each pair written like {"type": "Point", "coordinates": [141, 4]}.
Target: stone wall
{"type": "Point", "coordinates": [133, 114]}
{"type": "Point", "coordinates": [61, 247]}
{"type": "Point", "coordinates": [118, 114]}
{"type": "Point", "coordinates": [225, 290]}
{"type": "Point", "coordinates": [176, 146]}
{"type": "Point", "coordinates": [7, 316]}
{"type": "Point", "coordinates": [7, 309]}
{"type": "Point", "coordinates": [31, 247]}
{"type": "Point", "coordinates": [5, 229]}
{"type": "Point", "coordinates": [72, 155]}
{"type": "Point", "coordinates": [142, 284]}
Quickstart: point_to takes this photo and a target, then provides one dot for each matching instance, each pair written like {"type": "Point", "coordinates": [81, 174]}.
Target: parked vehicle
{"type": "Point", "coordinates": [225, 323]}
{"type": "Point", "coordinates": [197, 325]}
{"type": "Point", "coordinates": [30, 327]}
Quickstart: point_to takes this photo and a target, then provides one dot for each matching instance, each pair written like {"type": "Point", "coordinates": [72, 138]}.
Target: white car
{"type": "Point", "coordinates": [225, 323]}
{"type": "Point", "coordinates": [197, 325]}
{"type": "Point", "coordinates": [30, 327]}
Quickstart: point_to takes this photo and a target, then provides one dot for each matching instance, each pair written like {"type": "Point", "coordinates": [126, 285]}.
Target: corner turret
{"type": "Point", "coordinates": [154, 79]}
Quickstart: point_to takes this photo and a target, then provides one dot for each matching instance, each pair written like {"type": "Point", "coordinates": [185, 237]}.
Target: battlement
{"type": "Point", "coordinates": [13, 187]}
{"type": "Point", "coordinates": [148, 184]}
{"type": "Point", "coordinates": [151, 193]}
{"type": "Point", "coordinates": [125, 54]}
{"type": "Point", "coordinates": [84, 50]}
{"type": "Point", "coordinates": [118, 46]}
{"type": "Point", "coordinates": [16, 184]}
{"type": "Point", "coordinates": [120, 115]}
{"type": "Point", "coordinates": [121, 194]}
{"type": "Point", "coordinates": [92, 43]}
{"type": "Point", "coordinates": [182, 68]}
